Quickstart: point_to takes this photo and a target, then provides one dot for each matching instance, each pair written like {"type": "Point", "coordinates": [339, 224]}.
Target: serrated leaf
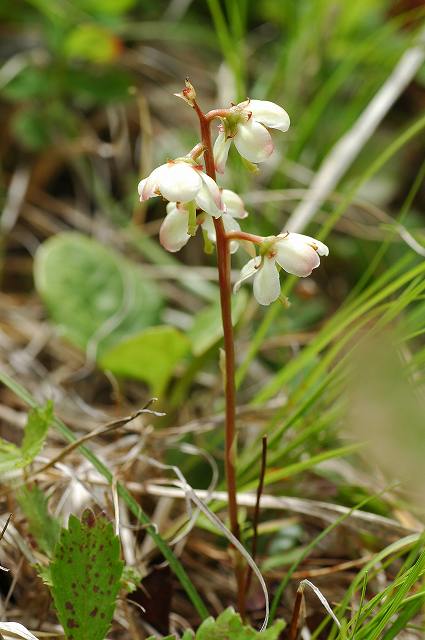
{"type": "Point", "coordinates": [39, 420]}
{"type": "Point", "coordinates": [43, 527]}
{"type": "Point", "coordinates": [93, 293]}
{"type": "Point", "coordinates": [151, 356]}
{"type": "Point", "coordinates": [86, 576]}
{"type": "Point", "coordinates": [207, 329]}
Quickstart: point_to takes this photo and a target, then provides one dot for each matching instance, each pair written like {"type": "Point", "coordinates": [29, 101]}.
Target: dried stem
{"type": "Point", "coordinates": [296, 614]}
{"type": "Point", "coordinates": [223, 266]}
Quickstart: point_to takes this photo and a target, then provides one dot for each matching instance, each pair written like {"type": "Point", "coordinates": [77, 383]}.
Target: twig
{"type": "Point", "coordinates": [110, 426]}
{"type": "Point", "coordinates": [347, 148]}
{"type": "Point", "coordinates": [325, 511]}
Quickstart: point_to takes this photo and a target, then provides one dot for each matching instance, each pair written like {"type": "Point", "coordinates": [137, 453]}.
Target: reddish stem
{"type": "Point", "coordinates": [223, 266]}
{"type": "Point", "coordinates": [215, 113]}
{"type": "Point", "coordinates": [243, 235]}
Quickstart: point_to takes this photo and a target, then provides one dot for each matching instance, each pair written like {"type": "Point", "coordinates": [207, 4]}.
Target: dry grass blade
{"type": "Point", "coordinates": [3, 531]}
{"type": "Point", "coordinates": [110, 426]}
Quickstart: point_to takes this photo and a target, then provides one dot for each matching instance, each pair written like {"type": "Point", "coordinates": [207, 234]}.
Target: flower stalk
{"type": "Point", "coordinates": [195, 201]}
{"type": "Point", "coordinates": [224, 266]}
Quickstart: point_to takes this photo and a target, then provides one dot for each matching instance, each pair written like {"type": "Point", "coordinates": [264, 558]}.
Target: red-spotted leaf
{"type": "Point", "coordinates": [85, 574]}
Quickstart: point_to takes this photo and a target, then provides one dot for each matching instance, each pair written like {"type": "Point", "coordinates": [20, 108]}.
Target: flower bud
{"type": "Point", "coordinates": [188, 94]}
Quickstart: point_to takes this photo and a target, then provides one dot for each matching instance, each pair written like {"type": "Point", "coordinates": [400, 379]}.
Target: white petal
{"type": "Point", "coordinates": [247, 271]}
{"type": "Point", "coordinates": [266, 282]}
{"type": "Point", "coordinates": [173, 234]}
{"type": "Point", "coordinates": [269, 114]}
{"type": "Point", "coordinates": [221, 151]}
{"type": "Point", "coordinates": [234, 204]}
{"type": "Point", "coordinates": [141, 186]}
{"type": "Point", "coordinates": [296, 256]}
{"type": "Point", "coordinates": [9, 630]}
{"type": "Point", "coordinates": [230, 224]}
{"type": "Point", "coordinates": [179, 181]}
{"type": "Point", "coordinates": [318, 246]}
{"type": "Point", "coordinates": [209, 197]}
{"type": "Point", "coordinates": [209, 227]}
{"type": "Point", "coordinates": [253, 141]}
{"type": "Point", "coordinates": [149, 186]}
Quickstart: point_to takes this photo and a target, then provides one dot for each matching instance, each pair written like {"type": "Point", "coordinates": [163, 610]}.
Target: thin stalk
{"type": "Point", "coordinates": [223, 266]}
{"type": "Point", "coordinates": [217, 113]}
{"type": "Point", "coordinates": [243, 235]}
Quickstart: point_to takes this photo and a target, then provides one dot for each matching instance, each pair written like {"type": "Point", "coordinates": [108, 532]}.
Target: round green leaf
{"type": "Point", "coordinates": [92, 293]}
{"type": "Point", "coordinates": [151, 356]}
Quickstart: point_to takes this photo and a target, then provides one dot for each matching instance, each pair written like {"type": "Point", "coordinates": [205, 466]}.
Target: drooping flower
{"type": "Point", "coordinates": [235, 208]}
{"type": "Point", "coordinates": [182, 180]}
{"type": "Point", "coordinates": [247, 126]}
{"type": "Point", "coordinates": [294, 252]}
{"type": "Point", "coordinates": [174, 232]}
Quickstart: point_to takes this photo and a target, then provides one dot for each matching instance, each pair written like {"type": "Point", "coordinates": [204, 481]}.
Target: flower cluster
{"type": "Point", "coordinates": [195, 199]}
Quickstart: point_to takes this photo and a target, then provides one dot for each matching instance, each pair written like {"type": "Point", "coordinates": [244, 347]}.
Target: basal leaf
{"type": "Point", "coordinates": [86, 576]}
{"type": "Point", "coordinates": [229, 625]}
{"type": "Point", "coordinates": [151, 356]}
{"type": "Point", "coordinates": [93, 294]}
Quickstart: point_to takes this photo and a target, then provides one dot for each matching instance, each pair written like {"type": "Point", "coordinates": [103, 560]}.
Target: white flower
{"type": "Point", "coordinates": [235, 208]}
{"type": "Point", "coordinates": [183, 181]}
{"type": "Point", "coordinates": [174, 234]}
{"type": "Point", "coordinates": [294, 252]}
{"type": "Point", "coordinates": [247, 125]}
